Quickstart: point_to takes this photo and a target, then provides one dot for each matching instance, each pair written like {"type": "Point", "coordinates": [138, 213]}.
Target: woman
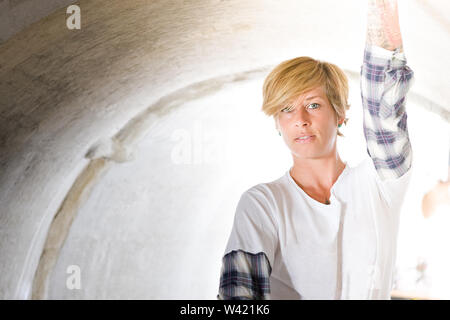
{"type": "Point", "coordinates": [324, 230]}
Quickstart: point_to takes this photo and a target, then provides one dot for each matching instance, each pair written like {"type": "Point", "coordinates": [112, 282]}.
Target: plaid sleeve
{"type": "Point", "coordinates": [385, 81]}
{"type": "Point", "coordinates": [245, 276]}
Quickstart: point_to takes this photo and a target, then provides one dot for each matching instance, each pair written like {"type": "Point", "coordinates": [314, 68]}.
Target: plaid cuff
{"type": "Point", "coordinates": [245, 276]}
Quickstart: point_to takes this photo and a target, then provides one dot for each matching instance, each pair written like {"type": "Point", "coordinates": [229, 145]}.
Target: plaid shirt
{"type": "Point", "coordinates": [385, 81]}
{"type": "Point", "coordinates": [245, 276]}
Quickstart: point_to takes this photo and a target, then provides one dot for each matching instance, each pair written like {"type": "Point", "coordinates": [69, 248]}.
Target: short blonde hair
{"type": "Point", "coordinates": [292, 78]}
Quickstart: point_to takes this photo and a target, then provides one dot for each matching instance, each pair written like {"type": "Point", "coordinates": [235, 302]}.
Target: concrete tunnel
{"type": "Point", "coordinates": [125, 144]}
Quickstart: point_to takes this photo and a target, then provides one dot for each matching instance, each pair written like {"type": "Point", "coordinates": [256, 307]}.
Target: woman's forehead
{"type": "Point", "coordinates": [317, 92]}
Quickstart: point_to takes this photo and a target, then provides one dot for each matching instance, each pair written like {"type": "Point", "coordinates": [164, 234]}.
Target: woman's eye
{"type": "Point", "coordinates": [317, 105]}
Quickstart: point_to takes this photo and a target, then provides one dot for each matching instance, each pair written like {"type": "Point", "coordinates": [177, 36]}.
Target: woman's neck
{"type": "Point", "coordinates": [317, 175]}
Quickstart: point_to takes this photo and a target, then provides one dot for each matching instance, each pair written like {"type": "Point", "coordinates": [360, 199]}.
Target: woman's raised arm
{"type": "Point", "coordinates": [383, 27]}
{"type": "Point", "coordinates": [385, 82]}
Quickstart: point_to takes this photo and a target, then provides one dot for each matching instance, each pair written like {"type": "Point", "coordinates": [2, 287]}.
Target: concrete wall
{"type": "Point", "coordinates": [15, 15]}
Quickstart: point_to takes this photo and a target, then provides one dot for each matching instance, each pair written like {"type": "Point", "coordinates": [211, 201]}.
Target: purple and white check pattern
{"type": "Point", "coordinates": [245, 276]}
{"type": "Point", "coordinates": [385, 81]}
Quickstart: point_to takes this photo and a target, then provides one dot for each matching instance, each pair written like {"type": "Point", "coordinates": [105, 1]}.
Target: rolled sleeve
{"type": "Point", "coordinates": [385, 82]}
{"type": "Point", "coordinates": [249, 255]}
{"type": "Point", "coordinates": [245, 276]}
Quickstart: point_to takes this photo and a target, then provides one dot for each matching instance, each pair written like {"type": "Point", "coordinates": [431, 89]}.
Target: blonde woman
{"type": "Point", "coordinates": [325, 230]}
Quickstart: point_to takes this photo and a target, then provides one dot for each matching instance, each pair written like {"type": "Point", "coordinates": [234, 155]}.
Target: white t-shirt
{"type": "Point", "coordinates": [344, 250]}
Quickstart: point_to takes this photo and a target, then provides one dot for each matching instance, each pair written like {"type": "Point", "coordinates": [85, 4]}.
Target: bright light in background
{"type": "Point", "coordinates": [423, 260]}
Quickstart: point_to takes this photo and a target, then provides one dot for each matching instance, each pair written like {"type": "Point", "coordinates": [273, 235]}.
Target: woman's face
{"type": "Point", "coordinates": [310, 115]}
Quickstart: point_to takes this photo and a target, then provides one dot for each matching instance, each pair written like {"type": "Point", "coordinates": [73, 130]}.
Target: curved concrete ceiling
{"type": "Point", "coordinates": [75, 102]}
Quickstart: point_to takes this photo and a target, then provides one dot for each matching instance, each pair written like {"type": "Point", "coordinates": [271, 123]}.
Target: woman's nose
{"type": "Point", "coordinates": [301, 118]}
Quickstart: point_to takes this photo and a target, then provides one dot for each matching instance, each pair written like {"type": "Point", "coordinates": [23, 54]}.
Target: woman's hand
{"type": "Point", "coordinates": [383, 27]}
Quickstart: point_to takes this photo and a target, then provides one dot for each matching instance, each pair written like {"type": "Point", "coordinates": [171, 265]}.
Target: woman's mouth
{"type": "Point", "coordinates": [305, 139]}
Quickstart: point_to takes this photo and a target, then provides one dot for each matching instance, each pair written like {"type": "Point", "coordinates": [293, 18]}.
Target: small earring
{"type": "Point", "coordinates": [279, 133]}
{"type": "Point", "coordinates": [339, 125]}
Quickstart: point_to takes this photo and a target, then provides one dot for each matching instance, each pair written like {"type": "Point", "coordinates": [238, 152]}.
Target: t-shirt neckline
{"type": "Point", "coordinates": [333, 199]}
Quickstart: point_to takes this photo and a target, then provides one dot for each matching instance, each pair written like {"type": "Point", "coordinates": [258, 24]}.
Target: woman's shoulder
{"type": "Point", "coordinates": [267, 191]}
{"type": "Point", "coordinates": [363, 166]}
{"type": "Point", "coordinates": [391, 190]}
{"type": "Point", "coordinates": [261, 202]}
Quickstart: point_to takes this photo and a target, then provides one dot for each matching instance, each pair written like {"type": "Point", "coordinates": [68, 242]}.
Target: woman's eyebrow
{"type": "Point", "coordinates": [309, 98]}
